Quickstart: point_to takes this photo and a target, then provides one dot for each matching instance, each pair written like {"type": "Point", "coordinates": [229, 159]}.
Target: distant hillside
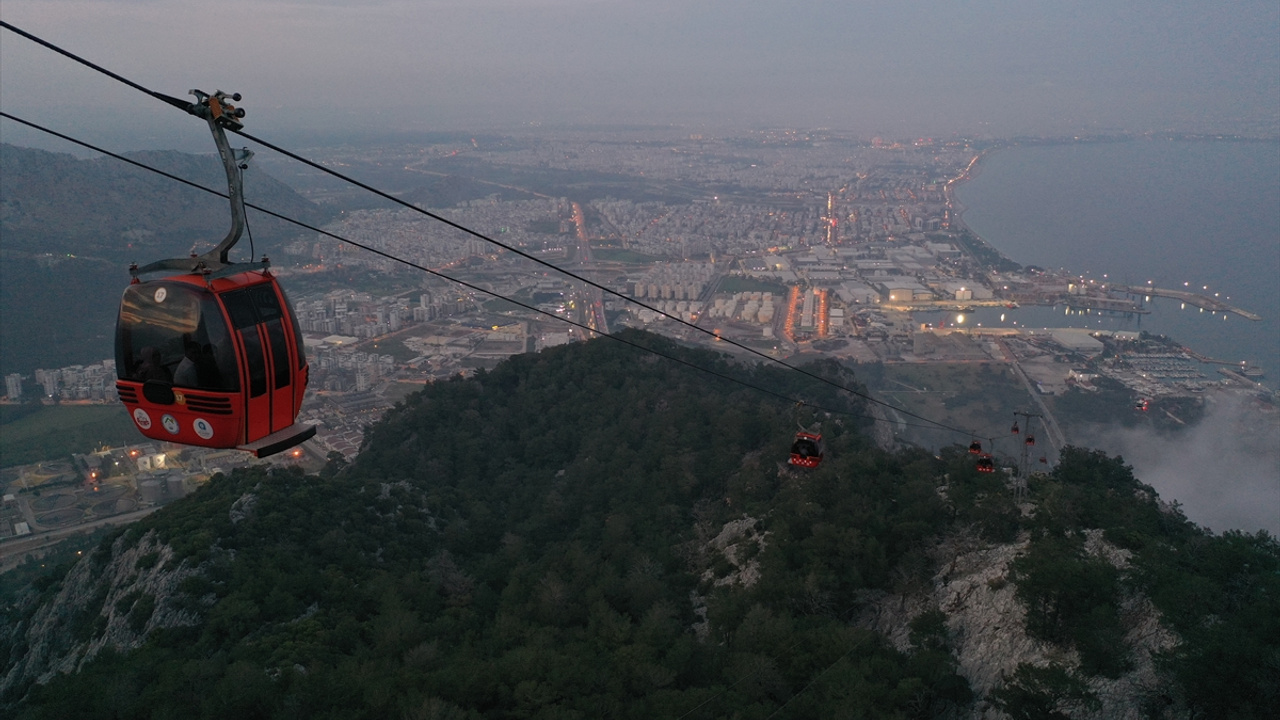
{"type": "Point", "coordinates": [57, 203]}
{"type": "Point", "coordinates": [593, 532]}
{"type": "Point", "coordinates": [71, 227]}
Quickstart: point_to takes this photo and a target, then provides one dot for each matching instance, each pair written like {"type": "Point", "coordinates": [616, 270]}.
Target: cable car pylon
{"type": "Point", "coordinates": [1020, 483]}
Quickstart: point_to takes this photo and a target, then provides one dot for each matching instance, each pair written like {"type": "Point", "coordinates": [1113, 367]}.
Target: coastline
{"type": "Point", "coordinates": [1055, 246]}
{"type": "Point", "coordinates": [971, 172]}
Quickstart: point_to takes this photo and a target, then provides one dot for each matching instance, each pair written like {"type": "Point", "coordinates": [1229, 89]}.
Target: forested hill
{"type": "Point", "coordinates": [57, 203]}
{"type": "Point", "coordinates": [72, 226]}
{"type": "Point", "coordinates": [595, 532]}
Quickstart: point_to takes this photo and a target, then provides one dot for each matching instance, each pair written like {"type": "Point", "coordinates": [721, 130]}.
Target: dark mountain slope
{"type": "Point", "coordinates": [71, 227]}
{"type": "Point", "coordinates": [56, 203]}
{"type": "Point", "coordinates": [594, 532]}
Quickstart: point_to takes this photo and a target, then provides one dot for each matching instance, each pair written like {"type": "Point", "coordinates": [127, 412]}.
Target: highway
{"type": "Point", "coordinates": [588, 300]}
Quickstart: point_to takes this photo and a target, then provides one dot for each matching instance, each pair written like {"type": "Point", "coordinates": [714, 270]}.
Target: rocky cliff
{"type": "Point", "coordinates": [112, 599]}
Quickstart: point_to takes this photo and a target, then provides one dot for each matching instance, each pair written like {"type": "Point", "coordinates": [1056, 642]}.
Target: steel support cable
{"type": "Point", "coordinates": [387, 196]}
{"type": "Point", "coordinates": [579, 278]}
{"type": "Point", "coordinates": [438, 274]}
{"type": "Point", "coordinates": [815, 679]}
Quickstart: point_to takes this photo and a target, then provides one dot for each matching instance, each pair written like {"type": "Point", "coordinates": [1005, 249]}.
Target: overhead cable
{"type": "Point", "coordinates": [387, 196]}
{"type": "Point", "coordinates": [441, 275]}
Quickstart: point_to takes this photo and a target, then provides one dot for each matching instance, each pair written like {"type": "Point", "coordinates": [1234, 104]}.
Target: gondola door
{"type": "Point", "coordinates": [269, 360]}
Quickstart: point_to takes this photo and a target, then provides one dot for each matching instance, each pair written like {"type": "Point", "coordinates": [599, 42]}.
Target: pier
{"type": "Point", "coordinates": [1196, 299]}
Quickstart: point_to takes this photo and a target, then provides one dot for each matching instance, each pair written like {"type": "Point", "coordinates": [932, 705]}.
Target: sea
{"type": "Point", "coordinates": [1187, 215]}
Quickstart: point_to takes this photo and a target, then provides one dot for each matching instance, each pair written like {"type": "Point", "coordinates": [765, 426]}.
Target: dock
{"type": "Point", "coordinates": [1196, 299]}
{"type": "Point", "coordinates": [1093, 302]}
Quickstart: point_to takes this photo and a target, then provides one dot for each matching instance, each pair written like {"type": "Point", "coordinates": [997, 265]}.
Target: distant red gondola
{"type": "Point", "coordinates": [975, 447]}
{"type": "Point", "coordinates": [985, 464]}
{"type": "Point", "coordinates": [806, 450]}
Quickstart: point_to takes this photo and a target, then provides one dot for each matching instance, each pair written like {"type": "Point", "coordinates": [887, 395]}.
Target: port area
{"type": "Point", "coordinates": [1194, 299]}
{"type": "Point", "coordinates": [1090, 302]}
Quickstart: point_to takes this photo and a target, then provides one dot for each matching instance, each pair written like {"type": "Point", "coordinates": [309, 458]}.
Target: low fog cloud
{"type": "Point", "coordinates": [1225, 470]}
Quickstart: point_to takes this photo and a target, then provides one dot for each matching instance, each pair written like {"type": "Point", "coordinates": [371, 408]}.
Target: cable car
{"type": "Point", "coordinates": [985, 463]}
{"type": "Point", "coordinates": [1142, 405]}
{"type": "Point", "coordinates": [1031, 440]}
{"type": "Point", "coordinates": [210, 354]}
{"type": "Point", "coordinates": [975, 447]}
{"type": "Point", "coordinates": [1044, 460]}
{"type": "Point", "coordinates": [806, 450]}
{"type": "Point", "coordinates": [1014, 430]}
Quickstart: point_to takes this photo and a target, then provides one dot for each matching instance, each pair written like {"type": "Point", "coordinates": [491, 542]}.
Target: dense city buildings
{"type": "Point", "coordinates": [793, 245]}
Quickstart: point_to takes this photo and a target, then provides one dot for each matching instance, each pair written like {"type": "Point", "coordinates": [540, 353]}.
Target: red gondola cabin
{"type": "Point", "coordinates": [985, 464]}
{"type": "Point", "coordinates": [806, 451]}
{"type": "Point", "coordinates": [217, 363]}
{"type": "Point", "coordinates": [210, 354]}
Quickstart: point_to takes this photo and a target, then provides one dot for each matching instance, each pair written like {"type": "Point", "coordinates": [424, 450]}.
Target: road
{"type": "Point", "coordinates": [588, 300]}
{"type": "Point", "coordinates": [1056, 437]}
{"type": "Point", "coordinates": [14, 551]}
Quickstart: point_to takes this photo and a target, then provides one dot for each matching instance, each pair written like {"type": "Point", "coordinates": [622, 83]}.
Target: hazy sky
{"type": "Point", "coordinates": [882, 67]}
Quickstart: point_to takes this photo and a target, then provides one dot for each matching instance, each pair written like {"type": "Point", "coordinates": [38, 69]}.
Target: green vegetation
{"type": "Point", "coordinates": [1221, 594]}
{"type": "Point", "coordinates": [526, 544]}
{"type": "Point", "coordinates": [1072, 597]}
{"type": "Point", "coordinates": [595, 532]}
{"type": "Point", "coordinates": [1114, 402]}
{"type": "Point", "coordinates": [397, 391]}
{"type": "Point", "coordinates": [624, 256]}
{"type": "Point", "coordinates": [394, 347]}
{"type": "Point", "coordinates": [57, 431]}
{"type": "Point", "coordinates": [986, 255]}
{"type": "Point", "coordinates": [72, 227]}
{"type": "Point", "coordinates": [1044, 693]}
{"type": "Point", "coordinates": [738, 283]}
{"type": "Point", "coordinates": [380, 284]}
{"type": "Point", "coordinates": [545, 226]}
{"type": "Point", "coordinates": [966, 395]}
{"type": "Point", "coordinates": [57, 313]}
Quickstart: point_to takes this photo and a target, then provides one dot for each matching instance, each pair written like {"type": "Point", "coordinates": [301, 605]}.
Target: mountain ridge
{"type": "Point", "coordinates": [72, 226]}
{"type": "Point", "coordinates": [58, 203]}
{"type": "Point", "coordinates": [590, 531]}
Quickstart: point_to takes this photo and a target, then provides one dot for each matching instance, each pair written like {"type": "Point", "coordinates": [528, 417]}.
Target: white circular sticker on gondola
{"type": "Point", "coordinates": [169, 424]}
{"type": "Point", "coordinates": [202, 428]}
{"type": "Point", "coordinates": [141, 417]}
{"type": "Point", "coordinates": [161, 294]}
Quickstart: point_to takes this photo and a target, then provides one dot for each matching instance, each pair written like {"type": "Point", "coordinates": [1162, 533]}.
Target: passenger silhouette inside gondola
{"type": "Point", "coordinates": [151, 366]}
{"type": "Point", "coordinates": [804, 448]}
{"type": "Point", "coordinates": [198, 368]}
